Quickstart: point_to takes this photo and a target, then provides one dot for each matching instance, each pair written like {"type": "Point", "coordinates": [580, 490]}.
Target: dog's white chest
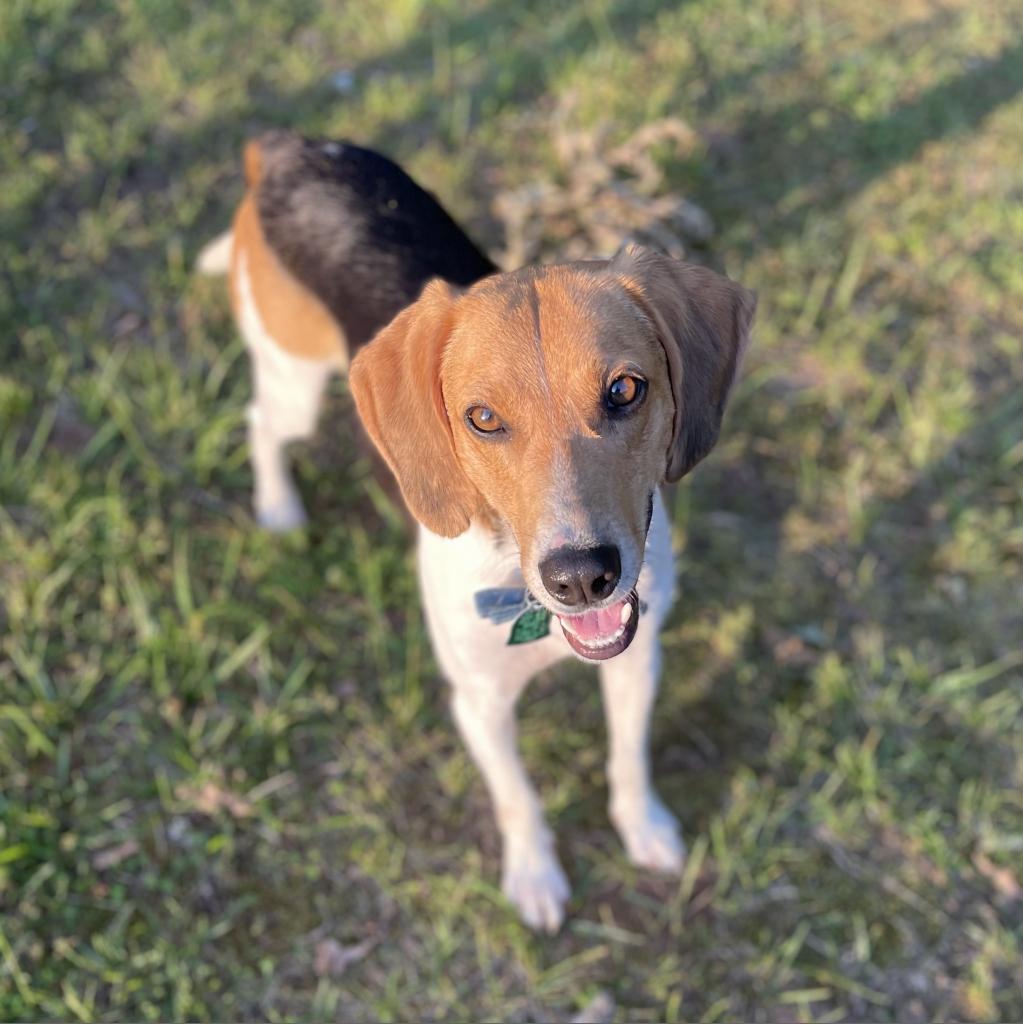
{"type": "Point", "coordinates": [453, 570]}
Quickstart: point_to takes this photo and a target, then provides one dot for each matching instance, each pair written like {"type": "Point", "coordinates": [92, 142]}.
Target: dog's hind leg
{"type": "Point", "coordinates": [285, 409]}
{"type": "Point", "coordinates": [287, 392]}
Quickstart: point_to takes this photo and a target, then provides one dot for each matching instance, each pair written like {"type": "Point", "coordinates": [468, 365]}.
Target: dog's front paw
{"type": "Point", "coordinates": [652, 837]}
{"type": "Point", "coordinates": [534, 882]}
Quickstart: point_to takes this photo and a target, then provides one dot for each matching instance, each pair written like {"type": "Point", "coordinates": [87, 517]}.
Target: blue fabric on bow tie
{"type": "Point", "coordinates": [501, 604]}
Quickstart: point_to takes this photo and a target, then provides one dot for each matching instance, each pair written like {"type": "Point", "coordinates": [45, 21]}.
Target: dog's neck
{"type": "Point", "coordinates": [486, 520]}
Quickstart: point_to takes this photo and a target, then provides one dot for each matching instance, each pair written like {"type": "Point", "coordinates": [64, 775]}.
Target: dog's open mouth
{"type": "Point", "coordinates": [603, 633]}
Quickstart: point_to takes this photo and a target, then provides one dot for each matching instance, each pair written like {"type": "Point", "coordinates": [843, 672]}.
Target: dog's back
{"type": "Point", "coordinates": [355, 229]}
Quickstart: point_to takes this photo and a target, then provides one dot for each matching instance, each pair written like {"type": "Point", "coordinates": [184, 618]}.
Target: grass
{"type": "Point", "coordinates": [227, 758]}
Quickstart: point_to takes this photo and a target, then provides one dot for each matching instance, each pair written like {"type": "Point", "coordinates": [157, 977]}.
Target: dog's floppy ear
{"type": "Point", "coordinates": [396, 383]}
{"type": "Point", "coordinates": [703, 321]}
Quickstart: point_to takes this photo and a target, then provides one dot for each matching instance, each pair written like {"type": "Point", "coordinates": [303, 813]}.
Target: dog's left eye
{"type": "Point", "coordinates": [483, 420]}
{"type": "Point", "coordinates": [625, 391]}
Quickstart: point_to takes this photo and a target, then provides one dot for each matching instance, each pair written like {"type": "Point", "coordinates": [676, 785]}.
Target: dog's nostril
{"type": "Point", "coordinates": [603, 585]}
{"type": "Point", "coordinates": [579, 576]}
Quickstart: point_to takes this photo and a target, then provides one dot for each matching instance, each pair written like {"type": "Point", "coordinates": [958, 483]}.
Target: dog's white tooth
{"type": "Point", "coordinates": [626, 612]}
{"type": "Point", "coordinates": [603, 641]}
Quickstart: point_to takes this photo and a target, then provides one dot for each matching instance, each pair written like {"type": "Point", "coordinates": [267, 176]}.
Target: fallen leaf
{"type": "Point", "coordinates": [1005, 882]}
{"type": "Point", "coordinates": [113, 855]}
{"type": "Point", "coordinates": [793, 652]}
{"type": "Point", "coordinates": [599, 1010]}
{"type": "Point", "coordinates": [333, 959]}
{"type": "Point", "coordinates": [209, 798]}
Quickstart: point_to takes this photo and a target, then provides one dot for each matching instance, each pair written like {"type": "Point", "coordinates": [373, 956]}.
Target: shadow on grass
{"type": "Point", "coordinates": [700, 744]}
{"type": "Point", "coordinates": [783, 182]}
{"type": "Point", "coordinates": [832, 162]}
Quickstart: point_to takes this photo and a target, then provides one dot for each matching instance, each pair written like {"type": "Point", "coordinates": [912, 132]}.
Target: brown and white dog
{"type": "Point", "coordinates": [530, 420]}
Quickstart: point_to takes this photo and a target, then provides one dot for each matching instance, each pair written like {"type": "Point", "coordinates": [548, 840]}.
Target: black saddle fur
{"type": "Point", "coordinates": [357, 231]}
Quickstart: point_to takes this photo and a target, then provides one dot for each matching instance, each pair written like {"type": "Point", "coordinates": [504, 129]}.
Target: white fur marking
{"type": "Point", "coordinates": [487, 677]}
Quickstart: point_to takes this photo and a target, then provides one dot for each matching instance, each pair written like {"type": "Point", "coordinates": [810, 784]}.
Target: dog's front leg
{"type": "Point", "coordinates": [531, 876]}
{"type": "Point", "coordinates": [648, 829]}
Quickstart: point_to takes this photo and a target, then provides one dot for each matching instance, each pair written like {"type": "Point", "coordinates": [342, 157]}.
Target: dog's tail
{"type": "Point", "coordinates": [215, 257]}
{"type": "Point", "coordinates": [252, 159]}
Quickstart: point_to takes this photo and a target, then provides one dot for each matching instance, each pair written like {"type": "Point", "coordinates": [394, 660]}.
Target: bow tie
{"type": "Point", "coordinates": [503, 604]}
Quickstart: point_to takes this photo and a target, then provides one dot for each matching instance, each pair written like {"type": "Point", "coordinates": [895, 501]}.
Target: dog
{"type": "Point", "coordinates": [530, 419]}
{"type": "Point", "coordinates": [328, 244]}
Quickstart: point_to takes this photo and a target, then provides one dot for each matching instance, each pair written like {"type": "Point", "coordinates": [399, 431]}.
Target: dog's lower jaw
{"type": "Point", "coordinates": [590, 647]}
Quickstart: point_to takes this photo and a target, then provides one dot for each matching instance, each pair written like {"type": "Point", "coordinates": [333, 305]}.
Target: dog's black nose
{"type": "Point", "coordinates": [581, 576]}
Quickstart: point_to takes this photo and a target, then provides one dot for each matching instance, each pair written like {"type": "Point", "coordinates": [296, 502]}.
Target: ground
{"type": "Point", "coordinates": [229, 782]}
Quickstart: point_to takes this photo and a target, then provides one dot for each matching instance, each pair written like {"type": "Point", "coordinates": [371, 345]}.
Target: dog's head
{"type": "Point", "coordinates": [553, 401]}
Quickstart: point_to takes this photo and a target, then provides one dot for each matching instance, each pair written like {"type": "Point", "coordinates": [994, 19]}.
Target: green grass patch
{"type": "Point", "coordinates": [225, 757]}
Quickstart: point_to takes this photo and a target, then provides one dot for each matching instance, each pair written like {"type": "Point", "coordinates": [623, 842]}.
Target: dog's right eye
{"type": "Point", "coordinates": [483, 420]}
{"type": "Point", "coordinates": [625, 391]}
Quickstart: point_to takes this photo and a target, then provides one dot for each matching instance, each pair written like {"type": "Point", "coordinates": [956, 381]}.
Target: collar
{"type": "Point", "coordinates": [530, 620]}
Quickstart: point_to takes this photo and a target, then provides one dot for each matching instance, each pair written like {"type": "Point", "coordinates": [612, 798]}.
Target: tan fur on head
{"type": "Point", "coordinates": [396, 382]}
{"type": "Point", "coordinates": [540, 348]}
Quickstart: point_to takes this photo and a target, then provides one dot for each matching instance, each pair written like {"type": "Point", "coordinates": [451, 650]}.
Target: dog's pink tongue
{"type": "Point", "coordinates": [596, 624]}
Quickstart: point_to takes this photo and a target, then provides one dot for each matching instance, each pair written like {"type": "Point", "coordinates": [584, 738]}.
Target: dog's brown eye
{"type": "Point", "coordinates": [484, 420]}
{"type": "Point", "coordinates": [624, 391]}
